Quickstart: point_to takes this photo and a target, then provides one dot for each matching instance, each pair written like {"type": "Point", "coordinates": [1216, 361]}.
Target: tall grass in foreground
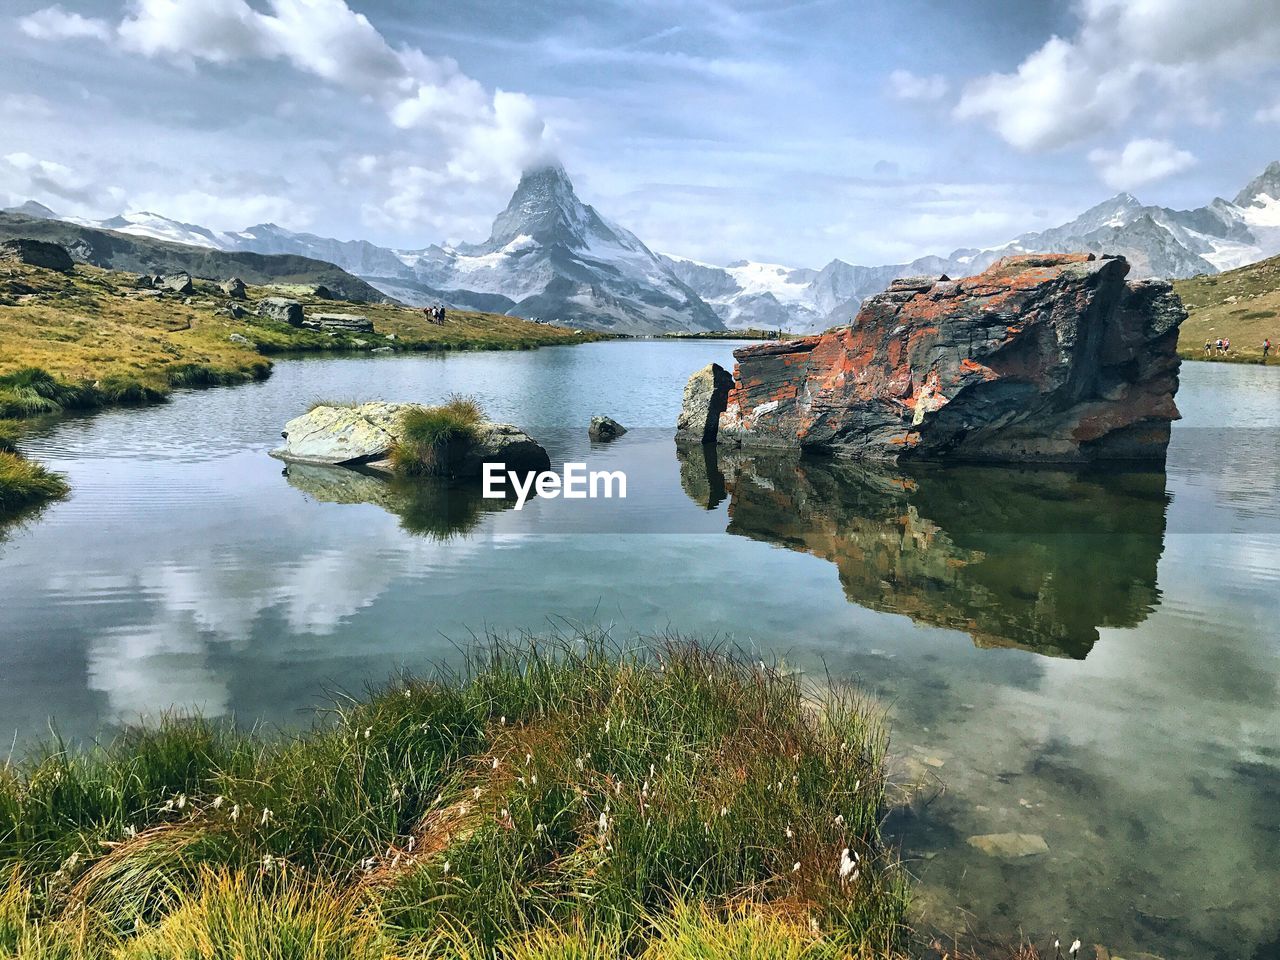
{"type": "Point", "coordinates": [429, 434]}
{"type": "Point", "coordinates": [558, 798]}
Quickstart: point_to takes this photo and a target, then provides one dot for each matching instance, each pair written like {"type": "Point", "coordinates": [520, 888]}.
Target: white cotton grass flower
{"type": "Point", "coordinates": [795, 867]}
{"type": "Point", "coordinates": [218, 802]}
{"type": "Point", "coordinates": [445, 868]}
{"type": "Point", "coordinates": [848, 866]}
{"type": "Point", "coordinates": [266, 816]}
{"type": "Point", "coordinates": [602, 826]}
{"type": "Point", "coordinates": [368, 732]}
{"type": "Point", "coordinates": [1075, 947]}
{"type": "Point", "coordinates": [494, 763]}
{"type": "Point", "coordinates": [475, 793]}
{"type": "Point", "coordinates": [181, 801]}
{"type": "Point", "coordinates": [839, 820]}
{"type": "Point", "coordinates": [790, 832]}
{"type": "Point", "coordinates": [235, 812]}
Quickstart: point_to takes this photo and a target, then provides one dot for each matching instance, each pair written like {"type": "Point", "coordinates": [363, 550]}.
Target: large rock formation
{"type": "Point", "coordinates": [37, 253]}
{"type": "Point", "coordinates": [364, 435]}
{"type": "Point", "coordinates": [338, 322]}
{"type": "Point", "coordinates": [705, 397]}
{"type": "Point", "coordinates": [1051, 359]}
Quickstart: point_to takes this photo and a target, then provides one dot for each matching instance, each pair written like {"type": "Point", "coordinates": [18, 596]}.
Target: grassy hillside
{"type": "Point", "coordinates": [121, 251]}
{"type": "Point", "coordinates": [96, 334]}
{"type": "Point", "coordinates": [1242, 305]}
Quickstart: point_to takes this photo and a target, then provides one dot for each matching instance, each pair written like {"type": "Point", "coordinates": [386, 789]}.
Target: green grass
{"type": "Point", "coordinates": [429, 434]}
{"type": "Point", "coordinates": [560, 797]}
{"type": "Point", "coordinates": [25, 485]}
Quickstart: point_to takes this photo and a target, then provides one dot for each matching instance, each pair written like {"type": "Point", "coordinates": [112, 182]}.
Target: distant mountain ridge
{"type": "Point", "coordinates": [549, 255]}
{"type": "Point", "coordinates": [114, 250]}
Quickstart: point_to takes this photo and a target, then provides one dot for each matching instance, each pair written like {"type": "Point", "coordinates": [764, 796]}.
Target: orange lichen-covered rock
{"type": "Point", "coordinates": [1050, 359]}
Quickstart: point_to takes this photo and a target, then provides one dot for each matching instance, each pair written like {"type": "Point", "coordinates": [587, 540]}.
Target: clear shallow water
{"type": "Point", "coordinates": [1092, 660]}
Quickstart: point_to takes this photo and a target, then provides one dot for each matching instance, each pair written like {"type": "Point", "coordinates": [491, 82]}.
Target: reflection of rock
{"type": "Point", "coordinates": [1050, 359]}
{"type": "Point", "coordinates": [428, 507]}
{"type": "Point", "coordinates": [700, 475]}
{"type": "Point", "coordinates": [1035, 559]}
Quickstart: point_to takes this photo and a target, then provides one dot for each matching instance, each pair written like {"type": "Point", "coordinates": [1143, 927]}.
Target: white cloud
{"type": "Point", "coordinates": [477, 135]}
{"type": "Point", "coordinates": [54, 23]}
{"type": "Point", "coordinates": [1162, 54]}
{"type": "Point", "coordinates": [29, 177]}
{"type": "Point", "coordinates": [905, 85]}
{"type": "Point", "coordinates": [1141, 161]}
{"type": "Point", "coordinates": [1269, 114]}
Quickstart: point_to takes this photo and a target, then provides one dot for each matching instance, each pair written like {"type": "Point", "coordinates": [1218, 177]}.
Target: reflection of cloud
{"type": "Point", "coordinates": [145, 671]}
{"type": "Point", "coordinates": [217, 596]}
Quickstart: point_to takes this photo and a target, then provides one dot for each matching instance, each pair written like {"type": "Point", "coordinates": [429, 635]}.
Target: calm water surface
{"type": "Point", "coordinates": [1092, 660]}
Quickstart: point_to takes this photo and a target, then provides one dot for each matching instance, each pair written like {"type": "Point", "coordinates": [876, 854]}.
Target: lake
{"type": "Point", "coordinates": [1089, 660]}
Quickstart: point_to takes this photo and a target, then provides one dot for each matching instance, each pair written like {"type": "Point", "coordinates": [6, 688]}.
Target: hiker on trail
{"type": "Point", "coordinates": [1226, 345]}
{"type": "Point", "coordinates": [1266, 349]}
{"type": "Point", "coordinates": [1208, 348]}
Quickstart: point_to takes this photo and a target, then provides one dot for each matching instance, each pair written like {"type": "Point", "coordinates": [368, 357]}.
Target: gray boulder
{"type": "Point", "coordinates": [282, 310]}
{"type": "Point", "coordinates": [338, 322]}
{"type": "Point", "coordinates": [240, 339]}
{"type": "Point", "coordinates": [706, 396]}
{"type": "Point", "coordinates": [364, 434]}
{"type": "Point", "coordinates": [179, 283]}
{"type": "Point", "coordinates": [234, 288]}
{"type": "Point", "coordinates": [37, 253]}
{"type": "Point", "coordinates": [603, 429]}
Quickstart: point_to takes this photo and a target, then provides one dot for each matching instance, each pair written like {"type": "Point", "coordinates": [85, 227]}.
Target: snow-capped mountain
{"type": "Point", "coordinates": [1158, 242]}
{"type": "Point", "coordinates": [551, 256]}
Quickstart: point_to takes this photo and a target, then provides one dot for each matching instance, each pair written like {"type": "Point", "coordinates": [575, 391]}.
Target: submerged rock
{"type": "Point", "coordinates": [1048, 359]}
{"type": "Point", "coordinates": [1010, 845]}
{"type": "Point", "coordinates": [37, 253]}
{"type": "Point", "coordinates": [604, 429]}
{"type": "Point", "coordinates": [705, 398]}
{"type": "Point", "coordinates": [281, 309]}
{"type": "Point", "coordinates": [365, 434]}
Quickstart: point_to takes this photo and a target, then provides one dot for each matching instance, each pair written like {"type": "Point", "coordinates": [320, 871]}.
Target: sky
{"type": "Point", "coordinates": [789, 131]}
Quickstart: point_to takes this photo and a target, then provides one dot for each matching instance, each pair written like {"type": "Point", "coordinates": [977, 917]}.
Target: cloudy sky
{"type": "Point", "coordinates": [779, 130]}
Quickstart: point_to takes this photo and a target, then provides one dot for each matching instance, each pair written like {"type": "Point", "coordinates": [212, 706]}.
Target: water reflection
{"type": "Point", "coordinates": [997, 553]}
{"type": "Point", "coordinates": [436, 509]}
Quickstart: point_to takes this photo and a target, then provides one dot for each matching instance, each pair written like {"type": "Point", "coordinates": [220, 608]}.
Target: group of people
{"type": "Point", "coordinates": [435, 314]}
{"type": "Point", "coordinates": [1222, 348]}
{"type": "Point", "coordinates": [1218, 348]}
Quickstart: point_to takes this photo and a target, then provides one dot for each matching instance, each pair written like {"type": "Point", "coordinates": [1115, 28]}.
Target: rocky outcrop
{"type": "Point", "coordinates": [1049, 359]}
{"type": "Point", "coordinates": [705, 398]}
{"type": "Point", "coordinates": [604, 429]}
{"type": "Point", "coordinates": [282, 310]}
{"type": "Point", "coordinates": [37, 253]}
{"type": "Point", "coordinates": [364, 435]}
{"type": "Point", "coordinates": [179, 283]}
{"type": "Point", "coordinates": [338, 322]}
{"type": "Point", "coordinates": [234, 288]}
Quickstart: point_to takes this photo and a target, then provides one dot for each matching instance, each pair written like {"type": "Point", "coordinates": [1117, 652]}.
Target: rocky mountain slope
{"type": "Point", "coordinates": [115, 250]}
{"type": "Point", "coordinates": [551, 256]}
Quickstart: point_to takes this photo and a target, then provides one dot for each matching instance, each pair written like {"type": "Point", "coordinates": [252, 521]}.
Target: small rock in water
{"type": "Point", "coordinates": [1010, 845]}
{"type": "Point", "coordinates": [605, 428]}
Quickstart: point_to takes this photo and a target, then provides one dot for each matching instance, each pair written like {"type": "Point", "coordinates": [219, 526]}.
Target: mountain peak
{"type": "Point", "coordinates": [33, 209]}
{"type": "Point", "coordinates": [1266, 183]}
{"type": "Point", "coordinates": [544, 207]}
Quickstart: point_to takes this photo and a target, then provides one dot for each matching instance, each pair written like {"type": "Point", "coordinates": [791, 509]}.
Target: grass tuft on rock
{"type": "Point", "coordinates": [429, 434]}
{"type": "Point", "coordinates": [559, 797]}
